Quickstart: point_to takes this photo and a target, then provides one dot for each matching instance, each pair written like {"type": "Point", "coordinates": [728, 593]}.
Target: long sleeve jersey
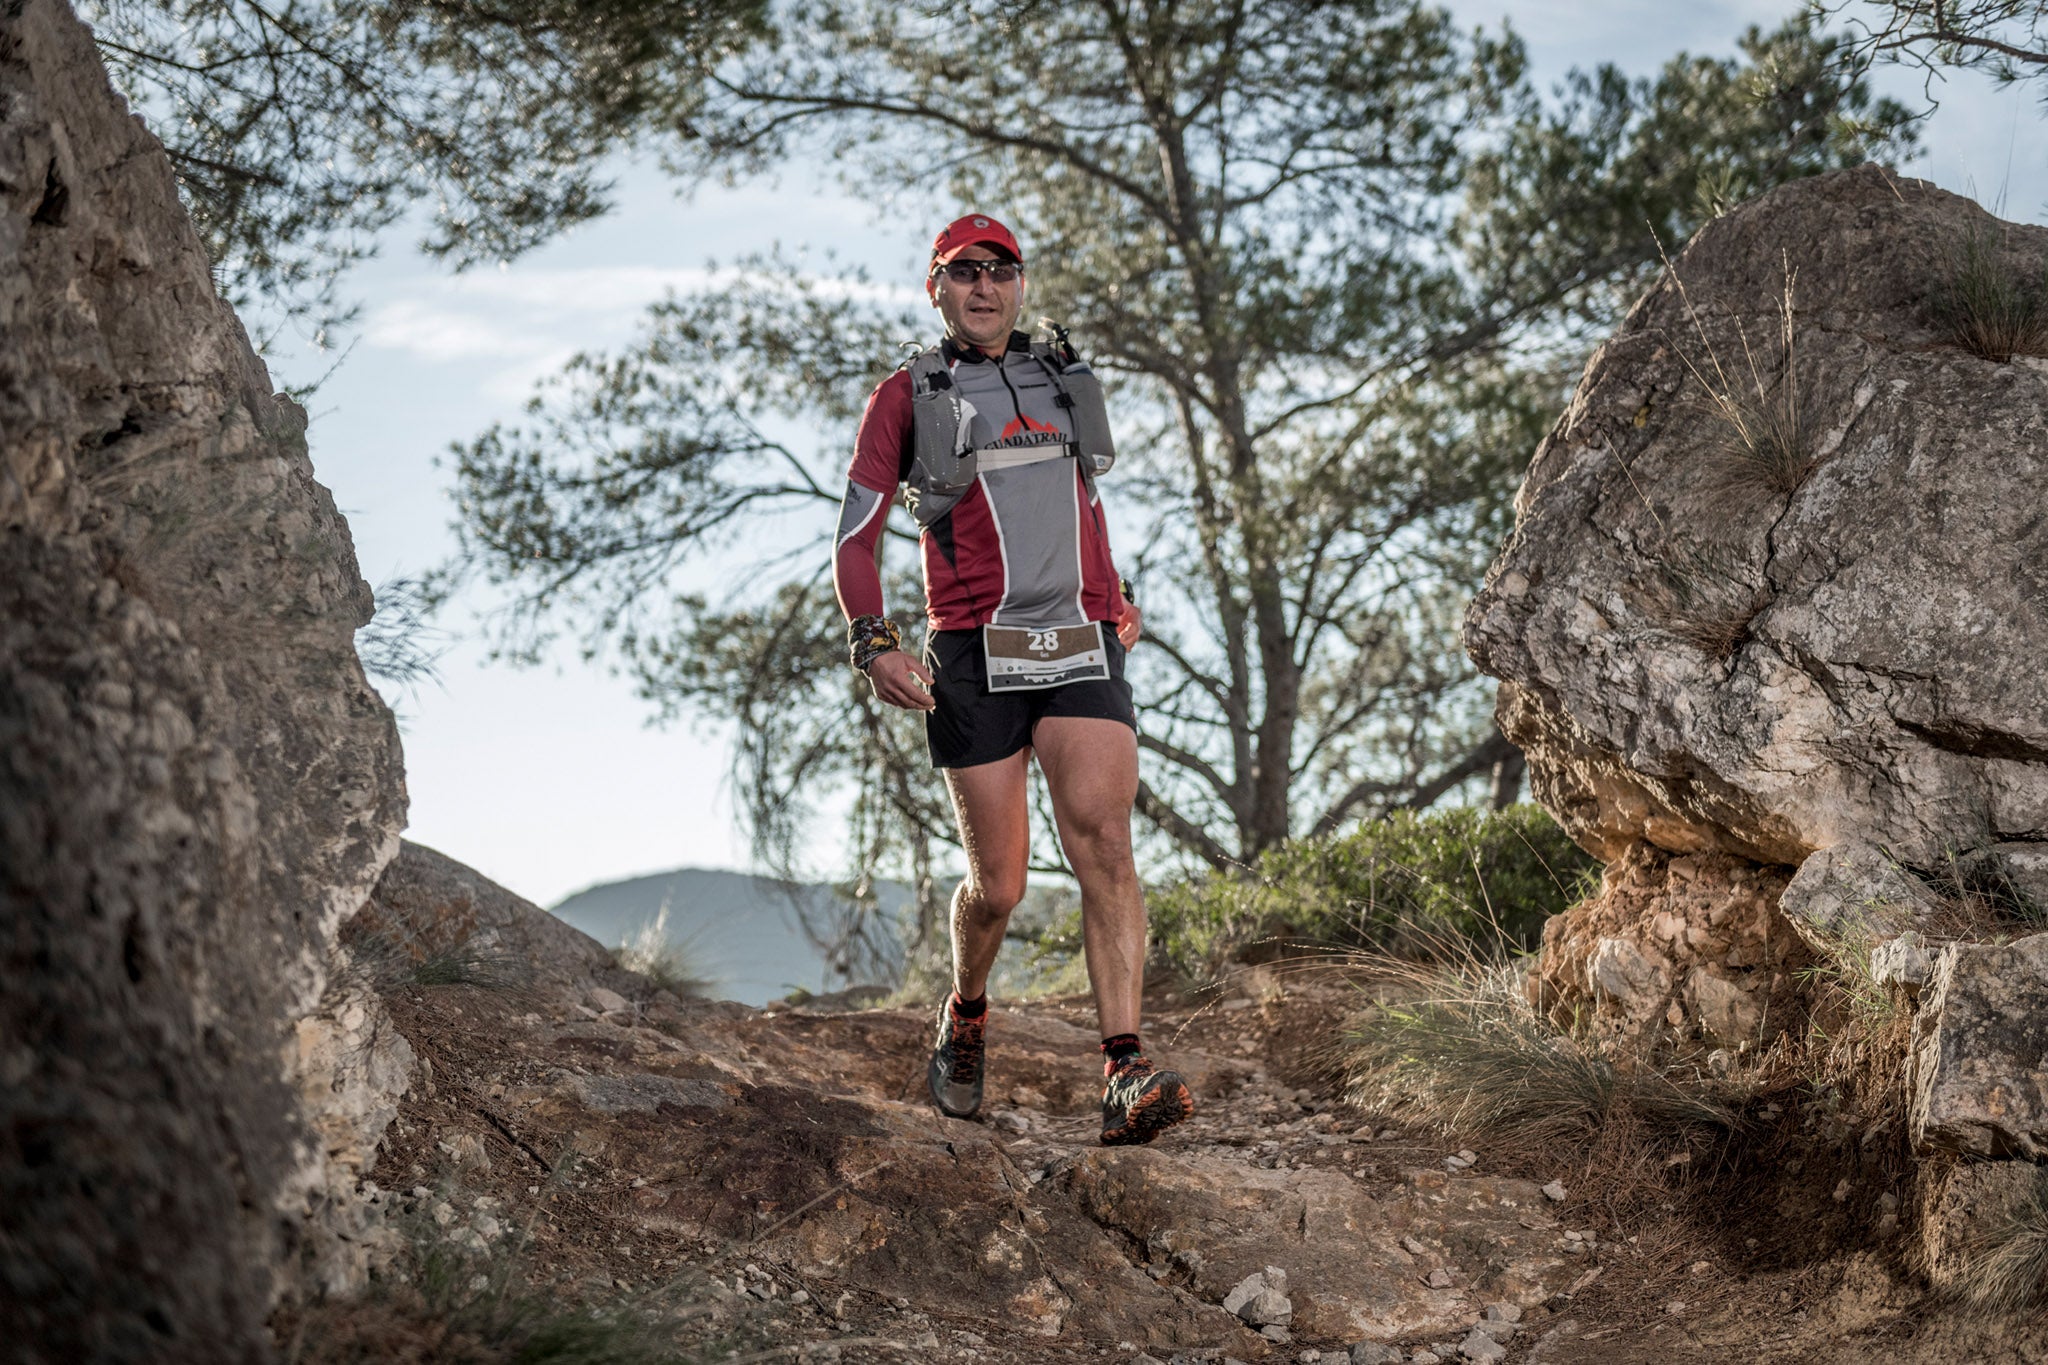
{"type": "Point", "coordinates": [1026, 546]}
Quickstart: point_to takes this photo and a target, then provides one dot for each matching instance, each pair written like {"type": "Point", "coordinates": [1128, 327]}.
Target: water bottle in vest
{"type": "Point", "coordinates": [942, 466]}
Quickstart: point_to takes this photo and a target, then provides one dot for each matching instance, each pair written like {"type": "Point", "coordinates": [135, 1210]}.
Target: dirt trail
{"type": "Point", "coordinates": [777, 1172]}
{"type": "Point", "coordinates": [683, 1143]}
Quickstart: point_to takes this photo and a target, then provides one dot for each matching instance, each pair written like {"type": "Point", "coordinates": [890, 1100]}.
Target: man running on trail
{"type": "Point", "coordinates": [1000, 441]}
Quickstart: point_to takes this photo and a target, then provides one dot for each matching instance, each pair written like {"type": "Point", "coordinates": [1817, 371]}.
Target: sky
{"type": "Point", "coordinates": [549, 778]}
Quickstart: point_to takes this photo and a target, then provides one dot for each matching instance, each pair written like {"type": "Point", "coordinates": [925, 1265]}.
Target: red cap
{"type": "Point", "coordinates": [976, 229]}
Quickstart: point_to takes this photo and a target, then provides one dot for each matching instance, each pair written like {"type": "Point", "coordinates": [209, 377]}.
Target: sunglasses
{"type": "Point", "coordinates": [967, 272]}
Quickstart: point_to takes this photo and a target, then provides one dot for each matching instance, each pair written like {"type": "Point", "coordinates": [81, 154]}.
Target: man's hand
{"type": "Point", "coordinates": [902, 681]}
{"type": "Point", "coordinates": [1129, 623]}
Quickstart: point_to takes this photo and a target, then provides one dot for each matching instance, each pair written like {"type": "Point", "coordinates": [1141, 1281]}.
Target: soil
{"type": "Point", "coordinates": [771, 1184]}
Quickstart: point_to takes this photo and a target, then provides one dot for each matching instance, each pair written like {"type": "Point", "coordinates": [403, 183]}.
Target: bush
{"type": "Point", "coordinates": [1398, 884]}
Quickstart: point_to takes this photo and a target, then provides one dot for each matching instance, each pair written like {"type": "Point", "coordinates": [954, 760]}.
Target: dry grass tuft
{"type": "Point", "coordinates": [1700, 598]}
{"type": "Point", "coordinates": [389, 961]}
{"type": "Point", "coordinates": [667, 964]}
{"type": "Point", "coordinates": [2008, 1263]}
{"type": "Point", "coordinates": [1456, 1043]}
{"type": "Point", "coordinates": [469, 965]}
{"type": "Point", "coordinates": [1767, 439]}
{"type": "Point", "coordinates": [1975, 901]}
{"type": "Point", "coordinates": [1987, 304]}
{"type": "Point", "coordinates": [1844, 983]}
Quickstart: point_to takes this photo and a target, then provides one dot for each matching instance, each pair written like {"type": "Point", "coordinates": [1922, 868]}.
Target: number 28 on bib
{"type": "Point", "coordinates": [1021, 658]}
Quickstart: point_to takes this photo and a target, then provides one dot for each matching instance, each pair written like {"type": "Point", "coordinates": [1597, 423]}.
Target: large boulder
{"type": "Point", "coordinates": [197, 784]}
{"type": "Point", "coordinates": [1829, 646]}
{"type": "Point", "coordinates": [430, 910]}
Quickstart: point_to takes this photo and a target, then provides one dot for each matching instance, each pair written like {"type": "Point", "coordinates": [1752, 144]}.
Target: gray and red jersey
{"type": "Point", "coordinates": [1026, 545]}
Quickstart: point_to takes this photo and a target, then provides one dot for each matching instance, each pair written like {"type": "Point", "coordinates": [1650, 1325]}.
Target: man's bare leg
{"type": "Point", "coordinates": [1091, 766]}
{"type": "Point", "coordinates": [1091, 769]}
{"type": "Point", "coordinates": [993, 810]}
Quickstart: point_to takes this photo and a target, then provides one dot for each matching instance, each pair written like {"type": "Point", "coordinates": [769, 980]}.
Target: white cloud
{"type": "Point", "coordinates": [524, 315]}
{"type": "Point", "coordinates": [437, 332]}
{"type": "Point", "coordinates": [584, 290]}
{"type": "Point", "coordinates": [513, 383]}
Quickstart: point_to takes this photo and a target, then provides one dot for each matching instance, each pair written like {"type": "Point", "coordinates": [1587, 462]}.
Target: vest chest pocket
{"type": "Point", "coordinates": [942, 465]}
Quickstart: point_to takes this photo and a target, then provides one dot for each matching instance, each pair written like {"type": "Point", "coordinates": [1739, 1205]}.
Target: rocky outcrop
{"type": "Point", "coordinates": [197, 784]}
{"type": "Point", "coordinates": [1353, 1273]}
{"type": "Point", "coordinates": [1692, 944]}
{"type": "Point", "coordinates": [1967, 1207]}
{"type": "Point", "coordinates": [1776, 591]}
{"type": "Point", "coordinates": [1980, 1052]}
{"type": "Point", "coordinates": [427, 908]}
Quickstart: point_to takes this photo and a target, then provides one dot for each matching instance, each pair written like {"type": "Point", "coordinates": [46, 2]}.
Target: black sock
{"type": "Point", "coordinates": [1117, 1048]}
{"type": "Point", "coordinates": [970, 1009]}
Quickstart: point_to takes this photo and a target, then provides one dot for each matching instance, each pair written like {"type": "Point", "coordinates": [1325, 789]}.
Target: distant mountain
{"type": "Point", "coordinates": [746, 933]}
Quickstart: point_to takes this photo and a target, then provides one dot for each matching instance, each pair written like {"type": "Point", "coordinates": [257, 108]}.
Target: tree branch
{"type": "Point", "coordinates": [1490, 751]}
{"type": "Point", "coordinates": [1182, 830]}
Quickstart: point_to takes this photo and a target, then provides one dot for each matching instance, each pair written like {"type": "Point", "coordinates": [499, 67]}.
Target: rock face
{"type": "Point", "coordinates": [1965, 1205]}
{"type": "Point", "coordinates": [1832, 646]}
{"type": "Point", "coordinates": [428, 906]}
{"type": "Point", "coordinates": [1693, 943]}
{"type": "Point", "coordinates": [196, 782]}
{"type": "Point", "coordinates": [1980, 1052]}
{"type": "Point", "coordinates": [1351, 1274]}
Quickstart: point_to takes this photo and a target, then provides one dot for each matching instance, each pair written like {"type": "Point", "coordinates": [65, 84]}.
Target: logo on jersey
{"type": "Point", "coordinates": [1023, 433]}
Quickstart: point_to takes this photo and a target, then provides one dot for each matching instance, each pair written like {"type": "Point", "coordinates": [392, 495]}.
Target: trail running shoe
{"type": "Point", "coordinates": [956, 1066]}
{"type": "Point", "coordinates": [1140, 1102]}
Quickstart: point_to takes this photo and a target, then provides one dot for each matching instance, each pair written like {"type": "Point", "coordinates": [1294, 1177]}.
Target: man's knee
{"type": "Point", "coordinates": [991, 897]}
{"type": "Point", "coordinates": [1101, 840]}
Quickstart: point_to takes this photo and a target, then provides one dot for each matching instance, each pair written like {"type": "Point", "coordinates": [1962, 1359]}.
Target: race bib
{"type": "Point", "coordinates": [1021, 658]}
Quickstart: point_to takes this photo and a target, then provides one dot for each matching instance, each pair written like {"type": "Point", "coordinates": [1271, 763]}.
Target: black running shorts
{"type": "Point", "coordinates": [969, 726]}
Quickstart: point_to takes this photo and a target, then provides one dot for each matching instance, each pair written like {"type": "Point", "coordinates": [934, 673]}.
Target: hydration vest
{"type": "Point", "coordinates": [943, 466]}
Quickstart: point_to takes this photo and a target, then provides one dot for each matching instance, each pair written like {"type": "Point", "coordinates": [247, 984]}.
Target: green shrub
{"type": "Point", "coordinates": [1399, 884]}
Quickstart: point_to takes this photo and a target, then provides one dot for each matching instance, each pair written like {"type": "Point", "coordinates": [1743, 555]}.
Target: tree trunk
{"type": "Point", "coordinates": [1508, 772]}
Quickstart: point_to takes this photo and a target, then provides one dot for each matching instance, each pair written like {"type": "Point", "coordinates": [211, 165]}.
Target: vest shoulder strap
{"type": "Point", "coordinates": [929, 370]}
{"type": "Point", "coordinates": [923, 365]}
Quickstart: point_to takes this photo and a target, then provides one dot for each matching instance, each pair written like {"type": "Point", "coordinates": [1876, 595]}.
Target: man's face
{"type": "Point", "coordinates": [980, 314]}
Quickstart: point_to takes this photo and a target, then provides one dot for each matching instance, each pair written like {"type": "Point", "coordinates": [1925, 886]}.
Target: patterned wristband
{"type": "Point", "coordinates": [868, 638]}
{"type": "Point", "coordinates": [1123, 585]}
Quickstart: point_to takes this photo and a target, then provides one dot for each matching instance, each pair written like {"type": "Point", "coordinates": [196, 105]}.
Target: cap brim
{"type": "Point", "coordinates": [992, 243]}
